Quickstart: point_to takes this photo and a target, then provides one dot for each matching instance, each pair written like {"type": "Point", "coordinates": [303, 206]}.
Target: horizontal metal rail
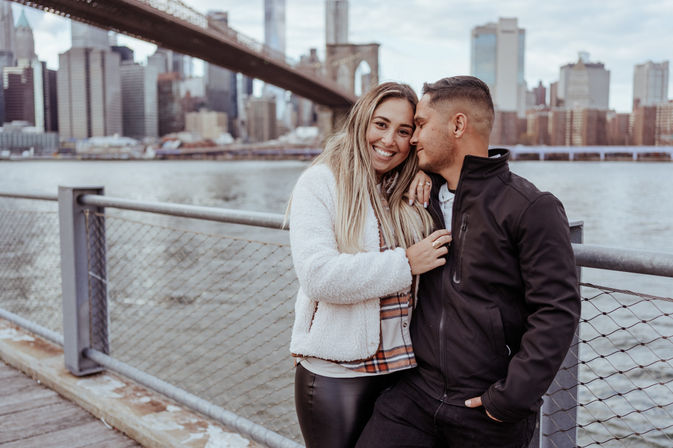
{"type": "Point", "coordinates": [32, 327]}
{"type": "Point", "coordinates": [624, 260]}
{"type": "Point", "coordinates": [246, 427]}
{"type": "Point", "coordinates": [589, 256]}
{"type": "Point", "coordinates": [259, 219]}
{"type": "Point", "coordinates": [33, 196]}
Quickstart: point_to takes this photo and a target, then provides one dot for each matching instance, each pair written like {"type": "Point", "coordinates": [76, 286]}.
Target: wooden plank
{"type": "Point", "coordinates": [90, 434]}
{"type": "Point", "coordinates": [28, 399]}
{"type": "Point", "coordinates": [13, 384]}
{"type": "Point", "coordinates": [40, 420]}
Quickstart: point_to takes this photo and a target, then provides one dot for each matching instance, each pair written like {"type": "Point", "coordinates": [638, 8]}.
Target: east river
{"type": "Point", "coordinates": [622, 204]}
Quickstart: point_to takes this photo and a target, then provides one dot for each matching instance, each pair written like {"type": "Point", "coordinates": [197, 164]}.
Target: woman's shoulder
{"type": "Point", "coordinates": [316, 176]}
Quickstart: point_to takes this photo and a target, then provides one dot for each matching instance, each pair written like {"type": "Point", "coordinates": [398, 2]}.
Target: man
{"type": "Point", "coordinates": [493, 325]}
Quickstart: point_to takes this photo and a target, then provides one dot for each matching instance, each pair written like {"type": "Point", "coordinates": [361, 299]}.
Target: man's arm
{"type": "Point", "coordinates": [547, 266]}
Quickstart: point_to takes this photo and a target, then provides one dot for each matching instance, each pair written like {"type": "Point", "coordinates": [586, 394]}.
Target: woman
{"type": "Point", "coordinates": [356, 245]}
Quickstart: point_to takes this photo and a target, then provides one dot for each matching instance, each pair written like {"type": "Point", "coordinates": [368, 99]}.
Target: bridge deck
{"type": "Point", "coordinates": [32, 415]}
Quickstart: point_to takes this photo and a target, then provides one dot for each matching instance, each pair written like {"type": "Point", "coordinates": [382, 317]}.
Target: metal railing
{"type": "Point", "coordinates": [204, 317]}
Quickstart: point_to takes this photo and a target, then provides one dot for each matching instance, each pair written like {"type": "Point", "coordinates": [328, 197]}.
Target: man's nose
{"type": "Point", "coordinates": [414, 137]}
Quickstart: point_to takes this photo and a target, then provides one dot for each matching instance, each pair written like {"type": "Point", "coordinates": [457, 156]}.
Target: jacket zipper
{"type": "Point", "coordinates": [458, 271]}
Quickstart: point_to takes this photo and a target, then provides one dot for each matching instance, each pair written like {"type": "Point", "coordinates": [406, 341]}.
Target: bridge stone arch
{"type": "Point", "coordinates": [343, 60]}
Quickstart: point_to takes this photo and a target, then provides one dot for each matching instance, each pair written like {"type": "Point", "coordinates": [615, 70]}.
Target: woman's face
{"type": "Point", "coordinates": [389, 133]}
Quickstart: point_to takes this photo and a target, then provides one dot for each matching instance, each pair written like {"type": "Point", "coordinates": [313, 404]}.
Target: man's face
{"type": "Point", "coordinates": [435, 144]}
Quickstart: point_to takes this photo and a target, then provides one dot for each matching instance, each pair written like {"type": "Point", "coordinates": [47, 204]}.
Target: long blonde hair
{"type": "Point", "coordinates": [348, 156]}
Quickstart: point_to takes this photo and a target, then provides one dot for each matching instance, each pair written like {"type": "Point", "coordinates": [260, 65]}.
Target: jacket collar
{"type": "Point", "coordinates": [480, 167]}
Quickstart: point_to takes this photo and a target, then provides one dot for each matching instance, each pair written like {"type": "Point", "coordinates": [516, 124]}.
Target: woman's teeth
{"type": "Point", "coordinates": [382, 152]}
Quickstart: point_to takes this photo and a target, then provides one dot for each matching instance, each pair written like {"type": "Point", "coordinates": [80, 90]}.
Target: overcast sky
{"type": "Point", "coordinates": [424, 40]}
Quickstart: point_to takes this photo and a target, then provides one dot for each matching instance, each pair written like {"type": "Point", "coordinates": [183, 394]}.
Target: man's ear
{"type": "Point", "coordinates": [459, 124]}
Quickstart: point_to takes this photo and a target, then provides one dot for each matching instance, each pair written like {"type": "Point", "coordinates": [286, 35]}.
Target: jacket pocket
{"type": "Point", "coordinates": [462, 233]}
{"type": "Point", "coordinates": [497, 336]}
{"type": "Point", "coordinates": [315, 310]}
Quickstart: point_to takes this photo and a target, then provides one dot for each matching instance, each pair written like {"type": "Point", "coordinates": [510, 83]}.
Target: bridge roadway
{"type": "Point", "coordinates": [189, 33]}
{"type": "Point", "coordinates": [32, 415]}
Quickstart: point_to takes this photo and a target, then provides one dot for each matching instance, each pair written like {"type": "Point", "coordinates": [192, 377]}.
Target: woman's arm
{"type": "Point", "coordinates": [324, 273]}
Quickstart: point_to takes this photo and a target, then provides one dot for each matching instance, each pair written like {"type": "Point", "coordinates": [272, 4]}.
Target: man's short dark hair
{"type": "Point", "coordinates": [467, 88]}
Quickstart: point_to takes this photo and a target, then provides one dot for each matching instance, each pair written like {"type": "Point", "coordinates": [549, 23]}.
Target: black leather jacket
{"type": "Point", "coordinates": [497, 320]}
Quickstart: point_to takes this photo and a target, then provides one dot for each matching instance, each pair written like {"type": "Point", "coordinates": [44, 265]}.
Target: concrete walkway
{"type": "Point", "coordinates": [33, 416]}
{"type": "Point", "coordinates": [29, 410]}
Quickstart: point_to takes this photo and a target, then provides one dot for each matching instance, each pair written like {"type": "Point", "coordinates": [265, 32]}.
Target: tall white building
{"type": "Point", "coordinates": [650, 84]}
{"type": "Point", "coordinates": [497, 58]}
{"type": "Point", "coordinates": [274, 38]}
{"type": "Point", "coordinates": [89, 87]}
{"type": "Point", "coordinates": [24, 43]}
{"type": "Point", "coordinates": [336, 21]}
{"type": "Point", "coordinates": [87, 36]}
{"type": "Point", "coordinates": [584, 85]}
{"type": "Point", "coordinates": [139, 100]}
{"type": "Point", "coordinates": [6, 27]}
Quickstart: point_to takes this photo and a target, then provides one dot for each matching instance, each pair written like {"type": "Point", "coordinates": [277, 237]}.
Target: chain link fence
{"type": "Point", "coordinates": [625, 383]}
{"type": "Point", "coordinates": [208, 313]}
{"type": "Point", "coordinates": [212, 314]}
{"type": "Point", "coordinates": [30, 261]}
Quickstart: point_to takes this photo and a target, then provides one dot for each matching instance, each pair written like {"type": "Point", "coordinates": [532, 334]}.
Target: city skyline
{"type": "Point", "coordinates": [412, 37]}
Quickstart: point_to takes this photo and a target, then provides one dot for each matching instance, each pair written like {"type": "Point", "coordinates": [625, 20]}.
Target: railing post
{"type": "Point", "coordinates": [558, 416]}
{"type": "Point", "coordinates": [83, 279]}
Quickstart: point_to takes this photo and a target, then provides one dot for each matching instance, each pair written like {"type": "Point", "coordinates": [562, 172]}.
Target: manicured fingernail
{"type": "Point", "coordinates": [411, 202]}
{"type": "Point", "coordinates": [468, 403]}
{"type": "Point", "coordinates": [425, 204]}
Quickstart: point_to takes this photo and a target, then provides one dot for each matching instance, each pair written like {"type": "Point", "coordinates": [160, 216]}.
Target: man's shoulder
{"type": "Point", "coordinates": [526, 190]}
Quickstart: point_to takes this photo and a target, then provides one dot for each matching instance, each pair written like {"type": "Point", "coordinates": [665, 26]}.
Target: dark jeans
{"type": "Point", "coordinates": [406, 417]}
{"type": "Point", "coordinates": [333, 411]}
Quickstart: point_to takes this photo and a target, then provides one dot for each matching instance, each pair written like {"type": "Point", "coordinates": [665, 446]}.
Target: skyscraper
{"type": "Point", "coordinates": [139, 100]}
{"type": "Point", "coordinates": [6, 27]}
{"type": "Point", "coordinates": [584, 85]}
{"type": "Point", "coordinates": [497, 58]}
{"type": "Point", "coordinates": [650, 84]}
{"type": "Point", "coordinates": [87, 36]}
{"type": "Point", "coordinates": [221, 84]}
{"type": "Point", "coordinates": [336, 21]}
{"type": "Point", "coordinates": [6, 47]}
{"type": "Point", "coordinates": [24, 43]}
{"type": "Point", "coordinates": [89, 87]}
{"type": "Point", "coordinates": [274, 24]}
{"type": "Point", "coordinates": [274, 38]}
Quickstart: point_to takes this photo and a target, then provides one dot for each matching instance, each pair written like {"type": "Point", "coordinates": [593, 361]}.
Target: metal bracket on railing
{"type": "Point", "coordinates": [83, 275]}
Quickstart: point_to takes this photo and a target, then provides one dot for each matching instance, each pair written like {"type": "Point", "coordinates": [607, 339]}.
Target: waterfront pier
{"type": "Point", "coordinates": [169, 315]}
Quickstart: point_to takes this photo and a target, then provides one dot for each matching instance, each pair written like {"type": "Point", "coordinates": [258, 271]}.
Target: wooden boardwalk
{"type": "Point", "coordinates": [32, 415]}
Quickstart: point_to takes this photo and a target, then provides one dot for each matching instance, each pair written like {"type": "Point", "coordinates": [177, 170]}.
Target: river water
{"type": "Point", "coordinates": [622, 204]}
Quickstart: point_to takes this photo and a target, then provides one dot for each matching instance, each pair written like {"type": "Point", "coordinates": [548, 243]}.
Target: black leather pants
{"type": "Point", "coordinates": [333, 411]}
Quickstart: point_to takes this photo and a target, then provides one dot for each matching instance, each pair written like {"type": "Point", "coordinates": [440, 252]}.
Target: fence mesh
{"type": "Point", "coordinates": [30, 261]}
{"type": "Point", "coordinates": [212, 314]}
{"type": "Point", "coordinates": [208, 313]}
{"type": "Point", "coordinates": [625, 387]}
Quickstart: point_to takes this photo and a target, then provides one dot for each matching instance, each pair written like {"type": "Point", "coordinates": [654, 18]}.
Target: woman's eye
{"type": "Point", "coordinates": [380, 124]}
{"type": "Point", "coordinates": [405, 133]}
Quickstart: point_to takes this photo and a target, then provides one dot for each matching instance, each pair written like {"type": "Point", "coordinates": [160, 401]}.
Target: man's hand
{"type": "Point", "coordinates": [475, 403]}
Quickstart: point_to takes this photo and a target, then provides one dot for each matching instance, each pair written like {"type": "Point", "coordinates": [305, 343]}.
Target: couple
{"type": "Point", "coordinates": [480, 258]}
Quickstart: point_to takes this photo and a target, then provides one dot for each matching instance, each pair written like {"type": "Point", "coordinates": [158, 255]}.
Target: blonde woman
{"type": "Point", "coordinates": [357, 244]}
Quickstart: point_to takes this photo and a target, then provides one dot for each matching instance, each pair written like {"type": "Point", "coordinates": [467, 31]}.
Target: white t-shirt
{"type": "Point", "coordinates": [446, 204]}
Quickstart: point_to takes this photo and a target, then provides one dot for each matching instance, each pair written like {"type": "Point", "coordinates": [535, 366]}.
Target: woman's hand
{"type": "Point", "coordinates": [419, 189]}
{"type": "Point", "coordinates": [428, 253]}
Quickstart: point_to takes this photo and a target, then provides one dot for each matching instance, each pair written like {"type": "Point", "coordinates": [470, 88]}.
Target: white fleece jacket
{"type": "Point", "coordinates": [337, 310]}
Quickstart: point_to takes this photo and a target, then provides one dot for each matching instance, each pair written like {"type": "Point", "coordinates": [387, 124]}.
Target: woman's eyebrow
{"type": "Point", "coordinates": [381, 117]}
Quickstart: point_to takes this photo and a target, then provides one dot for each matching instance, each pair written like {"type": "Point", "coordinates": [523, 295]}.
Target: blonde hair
{"type": "Point", "coordinates": [348, 156]}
